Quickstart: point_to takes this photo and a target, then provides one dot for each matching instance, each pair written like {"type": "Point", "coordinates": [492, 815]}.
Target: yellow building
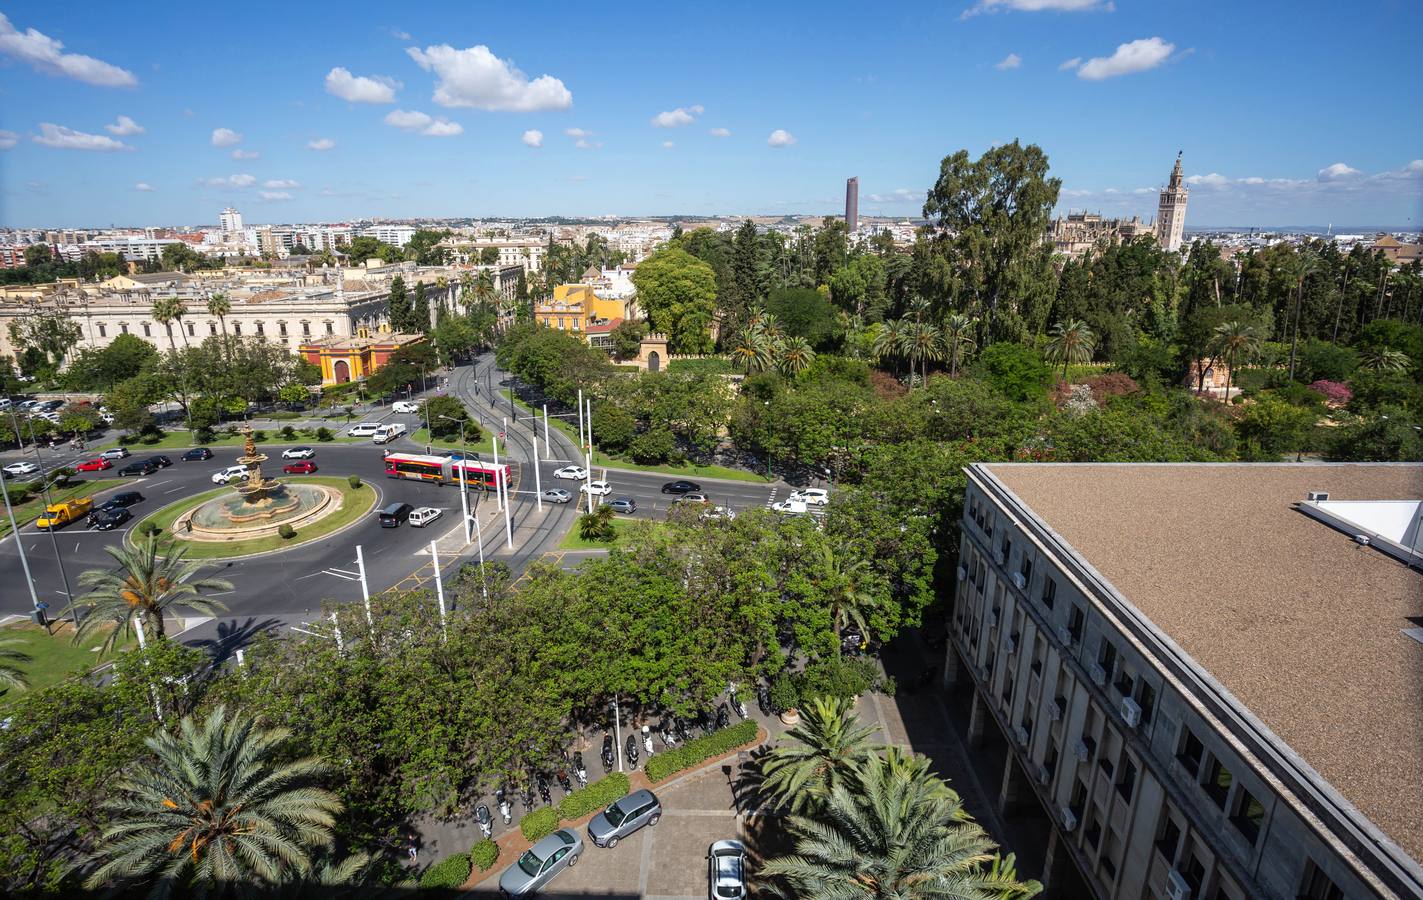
{"type": "Point", "coordinates": [577, 308]}
{"type": "Point", "coordinates": [344, 359]}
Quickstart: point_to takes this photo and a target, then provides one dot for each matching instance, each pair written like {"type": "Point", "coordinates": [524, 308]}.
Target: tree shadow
{"type": "Point", "coordinates": [232, 636]}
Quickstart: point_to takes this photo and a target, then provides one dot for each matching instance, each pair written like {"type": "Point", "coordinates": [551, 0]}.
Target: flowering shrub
{"type": "Point", "coordinates": [1335, 393]}
{"type": "Point", "coordinates": [1112, 384]}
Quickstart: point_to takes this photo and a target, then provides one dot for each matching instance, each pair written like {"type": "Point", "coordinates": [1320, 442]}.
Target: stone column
{"type": "Point", "coordinates": [1011, 789]}
{"type": "Point", "coordinates": [1056, 864]}
{"type": "Point", "coordinates": [976, 715]}
{"type": "Point", "coordinates": [953, 667]}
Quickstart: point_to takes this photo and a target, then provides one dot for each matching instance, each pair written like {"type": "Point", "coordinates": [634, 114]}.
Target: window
{"type": "Point", "coordinates": [237, 328]}
{"type": "Point", "coordinates": [261, 328]}
{"type": "Point", "coordinates": [1217, 782]}
{"type": "Point", "coordinates": [147, 332]}
{"type": "Point", "coordinates": [1146, 699]}
{"type": "Point", "coordinates": [1195, 875]}
{"type": "Point", "coordinates": [212, 329]}
{"type": "Point", "coordinates": [1049, 592]}
{"type": "Point", "coordinates": [103, 332]}
{"type": "Point", "coordinates": [1107, 656]}
{"type": "Point", "coordinates": [1317, 885]}
{"type": "Point", "coordinates": [1192, 752]}
{"type": "Point", "coordinates": [1027, 569]}
{"type": "Point", "coordinates": [1124, 682]}
{"type": "Point", "coordinates": [123, 327]}
{"type": "Point", "coordinates": [560, 323]}
{"type": "Point", "coordinates": [306, 329]}
{"type": "Point", "coordinates": [329, 329]}
{"type": "Point", "coordinates": [282, 328]}
{"type": "Point", "coordinates": [1126, 780]}
{"type": "Point", "coordinates": [168, 328]}
{"type": "Point", "coordinates": [1104, 762]}
{"type": "Point", "coordinates": [192, 329]}
{"type": "Point", "coordinates": [1007, 549]}
{"type": "Point", "coordinates": [1249, 815]}
{"type": "Point", "coordinates": [1169, 840]}
{"type": "Point", "coordinates": [1075, 622]}
{"type": "Point", "coordinates": [1094, 829]}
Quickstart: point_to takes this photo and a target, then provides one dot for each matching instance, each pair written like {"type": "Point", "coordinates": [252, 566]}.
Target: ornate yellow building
{"type": "Point", "coordinates": [344, 359]}
{"type": "Point", "coordinates": [576, 308]}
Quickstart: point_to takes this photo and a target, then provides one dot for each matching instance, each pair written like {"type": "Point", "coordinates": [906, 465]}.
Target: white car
{"type": "Point", "coordinates": [812, 496]}
{"type": "Point", "coordinates": [405, 406]}
{"type": "Point", "coordinates": [596, 488]}
{"type": "Point", "coordinates": [230, 474]}
{"type": "Point", "coordinates": [115, 453]}
{"type": "Point", "coordinates": [388, 433]}
{"type": "Point", "coordinates": [298, 453]}
{"type": "Point", "coordinates": [15, 470]}
{"type": "Point", "coordinates": [726, 870]}
{"type": "Point", "coordinates": [425, 515]}
{"type": "Point", "coordinates": [789, 506]}
{"type": "Point", "coordinates": [576, 473]}
{"type": "Point", "coordinates": [365, 429]}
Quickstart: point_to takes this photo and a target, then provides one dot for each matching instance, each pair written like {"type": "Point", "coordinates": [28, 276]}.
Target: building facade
{"type": "Point", "coordinates": [1210, 693]}
{"type": "Point", "coordinates": [577, 308]}
{"type": "Point", "coordinates": [852, 204]}
{"type": "Point", "coordinates": [343, 359]}
{"type": "Point", "coordinates": [1171, 211]}
{"type": "Point", "coordinates": [1076, 233]}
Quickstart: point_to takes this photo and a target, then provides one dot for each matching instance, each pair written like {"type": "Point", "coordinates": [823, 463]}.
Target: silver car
{"type": "Point", "coordinates": [726, 870]}
{"type": "Point", "coordinates": [624, 817]}
{"type": "Point", "coordinates": [536, 868]}
{"type": "Point", "coordinates": [557, 495]}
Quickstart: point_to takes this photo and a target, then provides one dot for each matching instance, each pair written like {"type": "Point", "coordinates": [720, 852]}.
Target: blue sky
{"type": "Point", "coordinates": [1288, 113]}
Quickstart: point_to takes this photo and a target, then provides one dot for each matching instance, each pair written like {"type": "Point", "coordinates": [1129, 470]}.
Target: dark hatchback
{"type": "Point", "coordinates": [197, 454]}
{"type": "Point", "coordinates": [142, 467]}
{"type": "Point", "coordinates": [122, 500]}
{"type": "Point", "coordinates": [161, 461]}
{"type": "Point", "coordinates": [109, 519]}
{"type": "Point", "coordinates": [680, 487]}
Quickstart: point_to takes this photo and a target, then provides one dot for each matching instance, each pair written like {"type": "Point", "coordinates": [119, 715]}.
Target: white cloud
{"type": "Point", "coordinates": [143, 186]}
{"type": "Point", "coordinates": [780, 138]}
{"type": "Point", "coordinates": [582, 138]}
{"type": "Point", "coordinates": [577, 178]}
{"type": "Point", "coordinates": [1072, 63]}
{"type": "Point", "coordinates": [533, 138]}
{"type": "Point", "coordinates": [225, 137]}
{"type": "Point", "coordinates": [8, 139]}
{"type": "Point", "coordinates": [475, 77]}
{"type": "Point", "coordinates": [233, 182]}
{"type": "Point", "coordinates": [1136, 56]}
{"type": "Point", "coordinates": [273, 195]}
{"type": "Point", "coordinates": [399, 35]}
{"type": "Point", "coordinates": [124, 127]}
{"type": "Point", "coordinates": [361, 88]}
{"type": "Point", "coordinates": [1011, 61]}
{"type": "Point", "coordinates": [321, 144]}
{"type": "Point", "coordinates": [1338, 172]}
{"type": "Point", "coordinates": [989, 6]}
{"type": "Point", "coordinates": [674, 118]}
{"type": "Point", "coordinates": [668, 145]}
{"type": "Point", "coordinates": [44, 54]}
{"type": "Point", "coordinates": [1214, 179]}
{"type": "Point", "coordinates": [720, 132]}
{"type": "Point", "coordinates": [246, 154]}
{"type": "Point", "coordinates": [898, 195]}
{"type": "Point", "coordinates": [58, 136]}
{"type": "Point", "coordinates": [280, 183]}
{"type": "Point", "coordinates": [422, 123]}
{"type": "Point", "coordinates": [577, 133]}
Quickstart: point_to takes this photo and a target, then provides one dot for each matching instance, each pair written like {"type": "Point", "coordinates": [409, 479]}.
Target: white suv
{"type": "Point", "coordinates": [811, 496]}
{"type": "Point", "coordinates": [230, 474]}
{"type": "Point", "coordinates": [424, 516]}
{"type": "Point", "coordinates": [365, 429]}
{"type": "Point", "coordinates": [405, 406]}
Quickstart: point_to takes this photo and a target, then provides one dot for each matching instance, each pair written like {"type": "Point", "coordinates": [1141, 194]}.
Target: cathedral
{"type": "Point", "coordinates": [1171, 211]}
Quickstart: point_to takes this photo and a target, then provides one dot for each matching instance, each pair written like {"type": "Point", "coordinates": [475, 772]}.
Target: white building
{"type": "Point", "coordinates": [230, 221]}
{"type": "Point", "coordinates": [395, 235]}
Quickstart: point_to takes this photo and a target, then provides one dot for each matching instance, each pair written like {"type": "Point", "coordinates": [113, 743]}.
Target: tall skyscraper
{"type": "Point", "coordinates": [231, 220]}
{"type": "Point", "coordinates": [852, 204]}
{"type": "Point", "coordinates": [1171, 212]}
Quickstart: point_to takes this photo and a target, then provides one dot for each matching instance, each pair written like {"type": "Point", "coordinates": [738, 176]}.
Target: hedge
{"type": "Point", "coordinates": [539, 823]}
{"type": "Point", "coordinates": [449, 873]}
{"type": "Point", "coordinates": [484, 854]}
{"type": "Point", "coordinates": [670, 762]}
{"type": "Point", "coordinates": [595, 796]}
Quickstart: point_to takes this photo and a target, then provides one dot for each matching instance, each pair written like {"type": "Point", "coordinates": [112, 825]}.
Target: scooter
{"type": "Point", "coordinates": [738, 706]}
{"type": "Point", "coordinates": [723, 718]}
{"type": "Point", "coordinates": [579, 770]}
{"type": "Point", "coordinates": [563, 781]}
{"type": "Point", "coordinates": [486, 821]}
{"type": "Point", "coordinates": [763, 699]}
{"type": "Point", "coordinates": [506, 811]}
{"type": "Point", "coordinates": [528, 796]}
{"type": "Point", "coordinates": [669, 739]}
{"type": "Point", "coordinates": [608, 752]}
{"type": "Point", "coordinates": [647, 740]}
{"type": "Point", "coordinates": [543, 789]}
{"type": "Point", "coordinates": [632, 752]}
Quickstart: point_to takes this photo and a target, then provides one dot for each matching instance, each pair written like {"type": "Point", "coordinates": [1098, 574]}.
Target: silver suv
{"type": "Point", "coordinates": [624, 817]}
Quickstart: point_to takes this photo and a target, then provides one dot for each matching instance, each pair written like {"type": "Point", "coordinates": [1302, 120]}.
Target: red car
{"type": "Point", "coordinates": [94, 465]}
{"type": "Point", "coordinates": [304, 467]}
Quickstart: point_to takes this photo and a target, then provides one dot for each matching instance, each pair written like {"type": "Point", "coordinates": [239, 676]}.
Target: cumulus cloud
{"type": "Point", "coordinates": [1338, 172]}
{"type": "Point", "coordinates": [582, 138]}
{"type": "Point", "coordinates": [273, 195]}
{"type": "Point", "coordinates": [361, 88]}
{"type": "Point", "coordinates": [533, 138]}
{"type": "Point", "coordinates": [52, 135]}
{"type": "Point", "coordinates": [1214, 179]}
{"type": "Point", "coordinates": [8, 139]}
{"type": "Point", "coordinates": [1135, 56]}
{"type": "Point", "coordinates": [1011, 61]}
{"type": "Point", "coordinates": [475, 77]}
{"type": "Point", "coordinates": [780, 138]}
{"type": "Point", "coordinates": [898, 195]}
{"type": "Point", "coordinates": [321, 144]}
{"type": "Point", "coordinates": [720, 132]}
{"type": "Point", "coordinates": [124, 127]}
{"type": "Point", "coordinates": [989, 6]}
{"type": "Point", "coordinates": [233, 182]}
{"type": "Point", "coordinates": [143, 186]}
{"type": "Point", "coordinates": [399, 34]}
{"type": "Point", "coordinates": [225, 137]}
{"type": "Point", "coordinates": [1072, 63]}
{"type": "Point", "coordinates": [280, 183]}
{"type": "Point", "coordinates": [422, 123]}
{"type": "Point", "coordinates": [246, 154]}
{"type": "Point", "coordinates": [45, 54]}
{"type": "Point", "coordinates": [675, 118]}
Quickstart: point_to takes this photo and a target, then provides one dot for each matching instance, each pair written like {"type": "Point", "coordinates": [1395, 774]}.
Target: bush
{"type": "Point", "coordinates": [540, 822]}
{"type": "Point", "coordinates": [842, 678]}
{"type": "Point", "coordinates": [597, 525]}
{"type": "Point", "coordinates": [324, 434]}
{"type": "Point", "coordinates": [286, 531]}
{"type": "Point", "coordinates": [484, 854]}
{"type": "Point", "coordinates": [670, 762]}
{"type": "Point", "coordinates": [652, 447]}
{"type": "Point", "coordinates": [354, 481]}
{"type": "Point", "coordinates": [447, 874]}
{"type": "Point", "coordinates": [259, 436]}
{"type": "Point", "coordinates": [595, 796]}
{"type": "Point", "coordinates": [204, 434]}
{"type": "Point", "coordinates": [288, 433]}
{"type": "Point", "coordinates": [149, 528]}
{"type": "Point", "coordinates": [784, 693]}
{"type": "Point", "coordinates": [1334, 392]}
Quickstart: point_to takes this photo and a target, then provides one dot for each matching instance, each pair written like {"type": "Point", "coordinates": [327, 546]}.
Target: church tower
{"type": "Point", "coordinates": [1171, 212]}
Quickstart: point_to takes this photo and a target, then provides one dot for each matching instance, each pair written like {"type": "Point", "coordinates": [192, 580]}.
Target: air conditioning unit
{"type": "Point", "coordinates": [1177, 887]}
{"type": "Point", "coordinates": [1318, 496]}
{"type": "Point", "coordinates": [1042, 773]}
{"type": "Point", "coordinates": [990, 618]}
{"type": "Point", "coordinates": [1081, 751]}
{"type": "Point", "coordinates": [1021, 734]}
{"type": "Point", "coordinates": [1020, 581]}
{"type": "Point", "coordinates": [1099, 674]}
{"type": "Point", "coordinates": [1131, 712]}
{"type": "Point", "coordinates": [1069, 820]}
{"type": "Point", "coordinates": [962, 573]}
{"type": "Point", "coordinates": [1055, 709]}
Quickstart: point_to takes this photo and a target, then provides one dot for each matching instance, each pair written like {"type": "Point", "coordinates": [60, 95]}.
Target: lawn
{"type": "Point", "coordinates": [30, 510]}
{"type": "Point", "coordinates": [601, 459]}
{"type": "Point", "coordinates": [484, 446]}
{"type": "Point", "coordinates": [572, 541]}
{"type": "Point", "coordinates": [55, 657]}
{"type": "Point", "coordinates": [356, 503]}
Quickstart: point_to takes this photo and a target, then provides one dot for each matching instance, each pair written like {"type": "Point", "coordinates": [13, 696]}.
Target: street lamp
{"type": "Point", "coordinates": [464, 493]}
{"type": "Point", "coordinates": [44, 489]}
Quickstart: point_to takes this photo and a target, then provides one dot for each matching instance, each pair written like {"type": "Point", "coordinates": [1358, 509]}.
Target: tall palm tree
{"type": "Point", "coordinates": [1383, 359]}
{"type": "Point", "coordinates": [11, 658]}
{"type": "Point", "coordinates": [889, 342]}
{"type": "Point", "coordinates": [752, 351]}
{"type": "Point", "coordinates": [1305, 265]}
{"type": "Point", "coordinates": [845, 577]}
{"type": "Point", "coordinates": [769, 327]}
{"type": "Point", "coordinates": [958, 337]}
{"type": "Point", "coordinates": [484, 287]}
{"type": "Point", "coordinates": [146, 585]}
{"type": "Point", "coordinates": [1072, 342]}
{"type": "Point", "coordinates": [220, 306]}
{"type": "Point", "coordinates": [216, 805]}
{"type": "Point", "coordinates": [1234, 340]}
{"type": "Point", "coordinates": [923, 341]}
{"type": "Point", "coordinates": [167, 310]}
{"type": "Point", "coordinates": [825, 749]}
{"type": "Point", "coordinates": [796, 356]}
{"type": "Point", "coordinates": [896, 831]}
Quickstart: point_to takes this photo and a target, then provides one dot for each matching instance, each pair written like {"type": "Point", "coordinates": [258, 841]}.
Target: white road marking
{"type": "Point", "coordinates": [157, 483]}
{"type": "Point", "coordinates": [173, 491]}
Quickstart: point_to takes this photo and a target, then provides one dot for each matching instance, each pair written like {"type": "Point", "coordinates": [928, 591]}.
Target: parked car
{"type": "Point", "coordinates": [364, 429]}
{"type": "Point", "coordinates": [19, 469]}
{"type": "Point", "coordinates": [108, 519]}
{"type": "Point", "coordinates": [394, 514]}
{"type": "Point", "coordinates": [230, 474]}
{"type": "Point", "coordinates": [812, 496]}
{"type": "Point", "coordinates": [116, 453]}
{"type": "Point", "coordinates": [623, 817]}
{"type": "Point", "coordinates": [576, 473]}
{"type": "Point", "coordinates": [197, 454]}
{"type": "Point", "coordinates": [557, 495]}
{"type": "Point", "coordinates": [596, 488]}
{"type": "Point", "coordinates": [424, 516]}
{"type": "Point", "coordinates": [405, 406]}
{"type": "Point", "coordinates": [726, 870]}
{"type": "Point", "coordinates": [540, 863]}
{"type": "Point", "coordinates": [298, 453]}
{"type": "Point", "coordinates": [97, 464]}
{"type": "Point", "coordinates": [625, 505]}
{"type": "Point", "coordinates": [680, 487]}
{"type": "Point", "coordinates": [139, 467]}
{"type": "Point", "coordinates": [50, 405]}
{"type": "Point", "coordinates": [161, 461]}
{"type": "Point", "coordinates": [388, 433]}
{"type": "Point", "coordinates": [304, 467]}
{"type": "Point", "coordinates": [123, 500]}
{"type": "Point", "coordinates": [693, 498]}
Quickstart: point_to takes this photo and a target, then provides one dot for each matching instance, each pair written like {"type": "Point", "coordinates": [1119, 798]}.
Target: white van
{"type": "Point", "coordinates": [365, 429]}
{"type": "Point", "coordinates": [388, 433]}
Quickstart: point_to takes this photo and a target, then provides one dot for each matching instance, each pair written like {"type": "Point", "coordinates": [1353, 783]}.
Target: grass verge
{"type": "Point", "coordinates": [572, 541]}
{"type": "Point", "coordinates": [183, 440]}
{"type": "Point", "coordinates": [55, 657]}
{"type": "Point", "coordinates": [484, 446]}
{"type": "Point", "coordinates": [30, 510]}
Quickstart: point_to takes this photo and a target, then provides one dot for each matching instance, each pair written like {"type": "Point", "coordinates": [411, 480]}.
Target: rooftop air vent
{"type": "Point", "coordinates": [1317, 496]}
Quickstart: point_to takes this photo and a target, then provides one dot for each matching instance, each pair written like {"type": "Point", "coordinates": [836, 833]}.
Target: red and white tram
{"type": "Point", "coordinates": [478, 475]}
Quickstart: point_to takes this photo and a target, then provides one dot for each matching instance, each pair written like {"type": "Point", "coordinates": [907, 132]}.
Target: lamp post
{"type": "Point", "coordinates": [20, 545]}
{"type": "Point", "coordinates": [464, 492]}
{"type": "Point", "coordinates": [54, 541]}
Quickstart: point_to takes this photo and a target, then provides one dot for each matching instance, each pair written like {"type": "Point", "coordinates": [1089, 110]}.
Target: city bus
{"type": "Point", "coordinates": [478, 476]}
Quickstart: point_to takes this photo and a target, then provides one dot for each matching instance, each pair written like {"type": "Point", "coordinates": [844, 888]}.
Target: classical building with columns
{"type": "Point", "coordinates": [1208, 678]}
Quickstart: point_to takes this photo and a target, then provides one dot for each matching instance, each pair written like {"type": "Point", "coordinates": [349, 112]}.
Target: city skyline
{"type": "Point", "coordinates": [502, 114]}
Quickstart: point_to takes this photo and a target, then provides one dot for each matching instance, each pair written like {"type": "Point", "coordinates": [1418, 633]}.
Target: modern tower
{"type": "Point", "coordinates": [231, 220]}
{"type": "Point", "coordinates": [1171, 212]}
{"type": "Point", "coordinates": [852, 204]}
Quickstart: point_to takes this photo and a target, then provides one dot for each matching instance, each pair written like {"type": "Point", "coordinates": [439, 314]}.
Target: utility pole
{"type": "Point", "coordinates": [546, 431]}
{"type": "Point", "coordinates": [365, 588]}
{"type": "Point", "coordinates": [538, 485]}
{"type": "Point", "coordinates": [20, 545]}
{"type": "Point", "coordinates": [580, 419]}
{"type": "Point", "coordinates": [498, 494]}
{"type": "Point", "coordinates": [617, 733]}
{"type": "Point", "coordinates": [439, 586]}
{"type": "Point", "coordinates": [508, 524]}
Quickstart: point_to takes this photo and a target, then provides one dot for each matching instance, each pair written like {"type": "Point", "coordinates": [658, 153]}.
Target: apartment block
{"type": "Point", "coordinates": [1210, 677]}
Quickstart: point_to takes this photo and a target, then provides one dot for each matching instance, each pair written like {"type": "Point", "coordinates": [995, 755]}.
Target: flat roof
{"type": "Point", "coordinates": [1297, 621]}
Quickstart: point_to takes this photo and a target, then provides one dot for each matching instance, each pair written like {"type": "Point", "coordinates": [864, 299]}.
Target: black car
{"type": "Point", "coordinates": [394, 514]}
{"type": "Point", "coordinates": [680, 487]}
{"type": "Point", "coordinates": [197, 454]}
{"type": "Point", "coordinates": [109, 519]}
{"type": "Point", "coordinates": [123, 500]}
{"type": "Point", "coordinates": [161, 462]}
{"type": "Point", "coordinates": [142, 467]}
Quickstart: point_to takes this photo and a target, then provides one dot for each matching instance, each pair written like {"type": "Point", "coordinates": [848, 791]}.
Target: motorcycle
{"type": "Point", "coordinates": [528, 796]}
{"type": "Point", "coordinates": [486, 821]}
{"type": "Point", "coordinates": [579, 770]}
{"type": "Point", "coordinates": [632, 752]}
{"type": "Point", "coordinates": [608, 751]}
{"type": "Point", "coordinates": [763, 699]}
{"type": "Point", "coordinates": [564, 782]}
{"type": "Point", "coordinates": [738, 706]}
{"type": "Point", "coordinates": [506, 811]}
{"type": "Point", "coordinates": [543, 790]}
{"type": "Point", "coordinates": [647, 740]}
{"type": "Point", "coordinates": [723, 718]}
{"type": "Point", "coordinates": [682, 730]}
{"type": "Point", "coordinates": [669, 738]}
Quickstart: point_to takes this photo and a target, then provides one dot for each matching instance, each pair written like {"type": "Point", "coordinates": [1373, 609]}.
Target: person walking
{"type": "Point", "coordinates": [414, 851]}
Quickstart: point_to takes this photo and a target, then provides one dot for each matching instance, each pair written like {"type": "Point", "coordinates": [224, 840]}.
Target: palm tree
{"type": "Point", "coordinates": [958, 335]}
{"type": "Point", "coordinates": [1072, 342]}
{"type": "Point", "coordinates": [923, 341]}
{"type": "Point", "coordinates": [1383, 359]}
{"type": "Point", "coordinates": [896, 831]}
{"type": "Point", "coordinates": [889, 342]}
{"type": "Point", "coordinates": [1306, 264]}
{"type": "Point", "coordinates": [752, 351]}
{"type": "Point", "coordinates": [796, 356]}
{"type": "Point", "coordinates": [845, 580]}
{"type": "Point", "coordinates": [220, 306]}
{"type": "Point", "coordinates": [11, 658]}
{"type": "Point", "coordinates": [769, 327]}
{"type": "Point", "coordinates": [829, 744]}
{"type": "Point", "coordinates": [146, 585]}
{"type": "Point", "coordinates": [484, 287]}
{"type": "Point", "coordinates": [215, 806]}
{"type": "Point", "coordinates": [1234, 340]}
{"type": "Point", "coordinates": [167, 310]}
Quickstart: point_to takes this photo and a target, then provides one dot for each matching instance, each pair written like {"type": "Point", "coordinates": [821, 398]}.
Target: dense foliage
{"type": "Point", "coordinates": [669, 762]}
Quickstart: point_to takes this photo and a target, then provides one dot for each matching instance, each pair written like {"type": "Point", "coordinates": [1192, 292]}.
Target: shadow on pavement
{"type": "Point", "coordinates": [232, 636]}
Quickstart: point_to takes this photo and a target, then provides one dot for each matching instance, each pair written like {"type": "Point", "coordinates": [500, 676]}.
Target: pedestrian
{"type": "Point", "coordinates": [414, 851]}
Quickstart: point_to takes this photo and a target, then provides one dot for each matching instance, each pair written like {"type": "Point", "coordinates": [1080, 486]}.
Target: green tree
{"type": "Point", "coordinates": [1270, 428]}
{"type": "Point", "coordinates": [796, 356]}
{"type": "Point", "coordinates": [218, 305]}
{"type": "Point", "coordinates": [220, 802]}
{"type": "Point", "coordinates": [678, 293]}
{"type": "Point", "coordinates": [924, 342]}
{"type": "Point", "coordinates": [420, 311]}
{"type": "Point", "coordinates": [442, 410]}
{"type": "Point", "coordinates": [818, 755]}
{"type": "Point", "coordinates": [11, 659]}
{"type": "Point", "coordinates": [1071, 342]}
{"type": "Point", "coordinates": [752, 352]}
{"type": "Point", "coordinates": [166, 311]}
{"type": "Point", "coordinates": [399, 309]}
{"type": "Point", "coordinates": [1234, 340]}
{"type": "Point", "coordinates": [1017, 372]}
{"type": "Point", "coordinates": [805, 313]}
{"type": "Point", "coordinates": [627, 338]}
{"type": "Point", "coordinates": [958, 340]}
{"type": "Point", "coordinates": [48, 332]}
{"type": "Point", "coordinates": [423, 247]}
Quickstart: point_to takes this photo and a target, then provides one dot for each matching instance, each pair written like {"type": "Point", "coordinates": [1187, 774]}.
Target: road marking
{"type": "Point", "coordinates": [342, 573]}
{"type": "Point", "coordinates": [173, 490]}
{"type": "Point", "coordinates": [157, 483]}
